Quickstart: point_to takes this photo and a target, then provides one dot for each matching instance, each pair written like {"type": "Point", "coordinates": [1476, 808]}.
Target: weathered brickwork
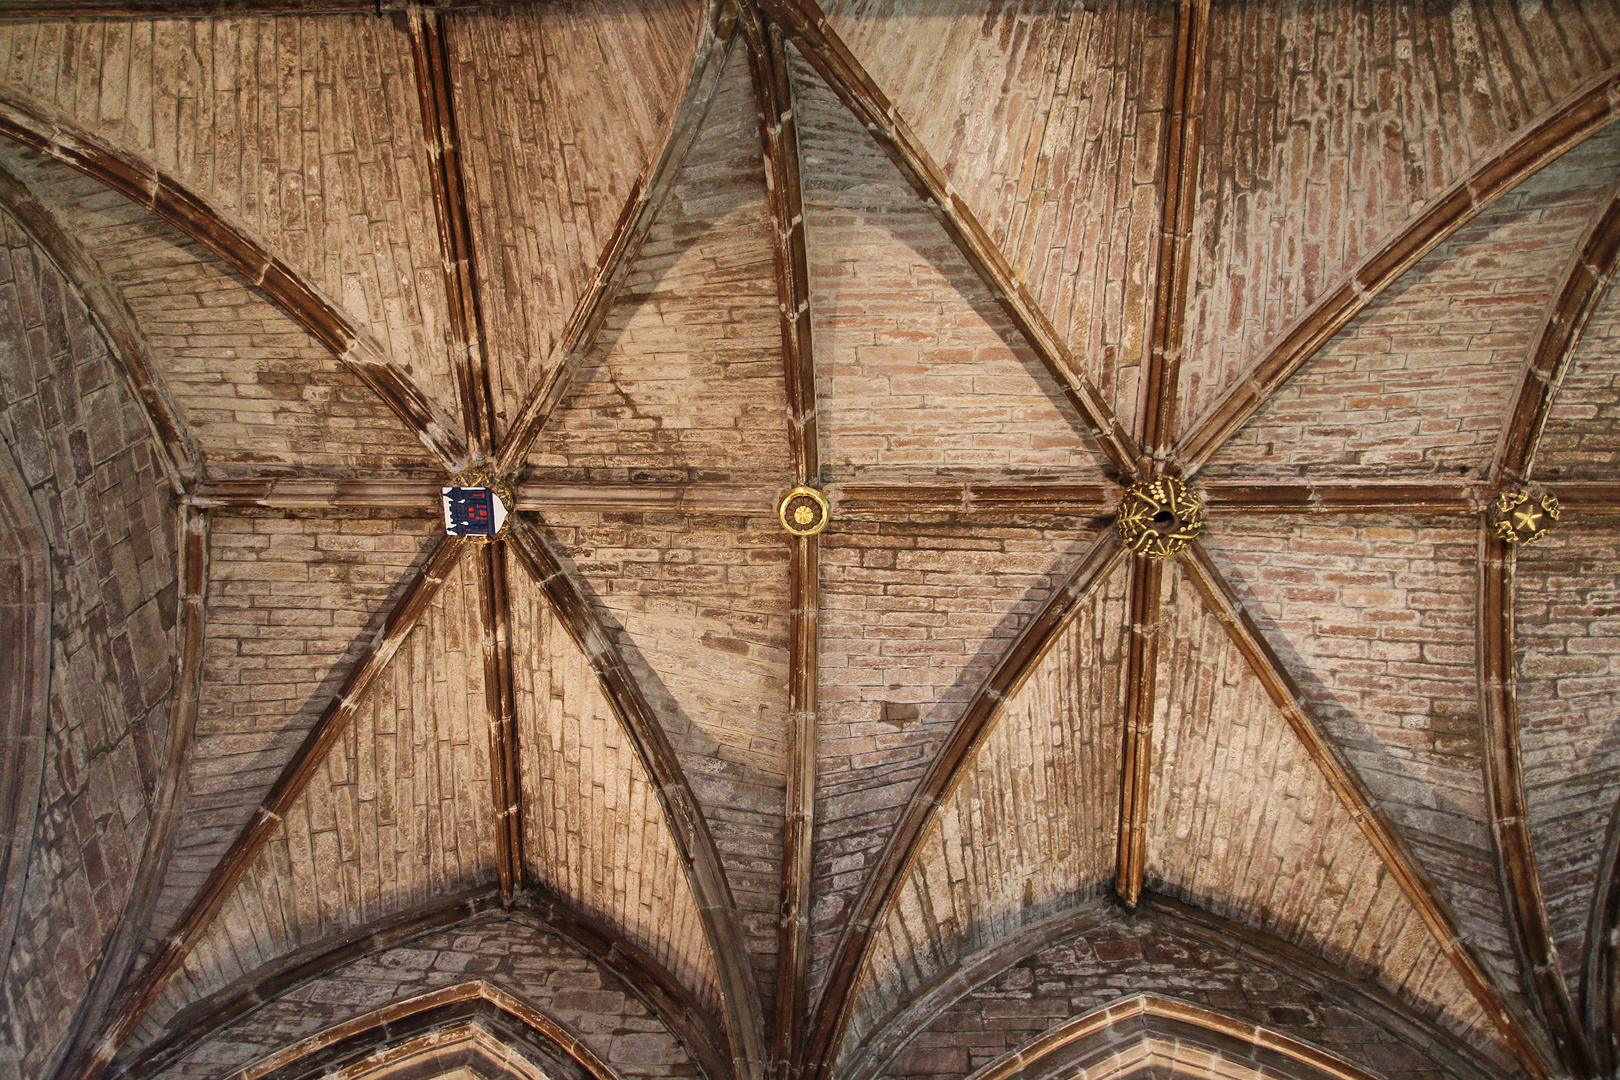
{"type": "Point", "coordinates": [1421, 381]}
{"type": "Point", "coordinates": [917, 369]}
{"type": "Point", "coordinates": [397, 813]}
{"type": "Point", "coordinates": [1032, 825]}
{"type": "Point", "coordinates": [1243, 824]}
{"type": "Point", "coordinates": [701, 610]}
{"type": "Point", "coordinates": [255, 388]}
{"type": "Point", "coordinates": [1048, 119]}
{"type": "Point", "coordinates": [307, 130]}
{"type": "Point", "coordinates": [552, 150]}
{"type": "Point", "coordinates": [1112, 955]}
{"type": "Point", "coordinates": [293, 602]}
{"type": "Point", "coordinates": [1328, 125]}
{"type": "Point", "coordinates": [1581, 440]}
{"type": "Point", "coordinates": [1375, 619]}
{"type": "Point", "coordinates": [686, 380]}
{"type": "Point", "coordinates": [916, 614]}
{"type": "Point", "coordinates": [1566, 607]}
{"type": "Point", "coordinates": [593, 826]}
{"type": "Point", "coordinates": [82, 444]}
{"type": "Point", "coordinates": [510, 952]}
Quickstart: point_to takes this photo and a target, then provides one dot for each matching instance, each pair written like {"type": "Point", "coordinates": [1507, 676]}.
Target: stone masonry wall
{"type": "Point", "coordinates": [84, 448]}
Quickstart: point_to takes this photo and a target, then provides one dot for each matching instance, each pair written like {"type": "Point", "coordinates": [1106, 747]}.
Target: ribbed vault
{"type": "Point", "coordinates": [649, 787]}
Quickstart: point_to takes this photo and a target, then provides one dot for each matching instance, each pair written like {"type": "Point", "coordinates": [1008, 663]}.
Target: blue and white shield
{"type": "Point", "coordinates": [472, 511]}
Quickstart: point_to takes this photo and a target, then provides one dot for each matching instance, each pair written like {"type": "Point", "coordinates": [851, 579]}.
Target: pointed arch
{"type": "Point", "coordinates": [677, 1007]}
{"type": "Point", "coordinates": [1391, 846]}
{"type": "Point", "coordinates": [473, 1015]}
{"type": "Point", "coordinates": [1585, 285]}
{"type": "Point", "coordinates": [97, 1044]}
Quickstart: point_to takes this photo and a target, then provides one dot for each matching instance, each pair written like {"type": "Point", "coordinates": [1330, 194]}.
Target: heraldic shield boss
{"type": "Point", "coordinates": [475, 508]}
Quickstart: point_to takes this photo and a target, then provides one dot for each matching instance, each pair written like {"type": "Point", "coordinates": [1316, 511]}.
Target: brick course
{"type": "Point", "coordinates": [293, 601]}
{"type": "Point", "coordinates": [1048, 122]}
{"type": "Point", "coordinates": [701, 610]}
{"type": "Point", "coordinates": [1421, 382]}
{"type": "Point", "coordinates": [551, 155]}
{"type": "Point", "coordinates": [914, 613]}
{"type": "Point", "coordinates": [593, 826]}
{"type": "Point", "coordinates": [1581, 440]}
{"type": "Point", "coordinates": [1375, 620]}
{"type": "Point", "coordinates": [305, 129]}
{"type": "Point", "coordinates": [258, 391]}
{"type": "Point", "coordinates": [1243, 823]}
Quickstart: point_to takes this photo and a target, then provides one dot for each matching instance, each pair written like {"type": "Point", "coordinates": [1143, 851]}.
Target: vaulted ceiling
{"type": "Point", "coordinates": [296, 785]}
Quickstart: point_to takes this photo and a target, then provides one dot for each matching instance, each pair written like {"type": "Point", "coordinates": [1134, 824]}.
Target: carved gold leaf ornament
{"type": "Point", "coordinates": [1523, 515]}
{"type": "Point", "coordinates": [1158, 518]}
{"type": "Point", "coordinates": [803, 511]}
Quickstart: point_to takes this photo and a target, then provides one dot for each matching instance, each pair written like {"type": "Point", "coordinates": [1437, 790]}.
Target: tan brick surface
{"type": "Point", "coordinates": [1031, 828]}
{"type": "Point", "coordinates": [1376, 622]}
{"type": "Point", "coordinates": [686, 380]}
{"type": "Point", "coordinates": [1048, 121]}
{"type": "Point", "coordinates": [917, 614]}
{"type": "Point", "coordinates": [304, 129]}
{"type": "Point", "coordinates": [1422, 381]}
{"type": "Point", "coordinates": [917, 369]}
{"type": "Point", "coordinates": [593, 826]}
{"type": "Point", "coordinates": [552, 146]}
{"type": "Point", "coordinates": [1567, 610]}
{"type": "Point", "coordinates": [293, 602]}
{"type": "Point", "coordinates": [255, 388]}
{"type": "Point", "coordinates": [701, 609]}
{"type": "Point", "coordinates": [1327, 126]}
{"type": "Point", "coordinates": [1242, 823]}
{"type": "Point", "coordinates": [397, 813]}
{"type": "Point", "coordinates": [510, 952]}
{"type": "Point", "coordinates": [81, 443]}
{"type": "Point", "coordinates": [1330, 124]}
